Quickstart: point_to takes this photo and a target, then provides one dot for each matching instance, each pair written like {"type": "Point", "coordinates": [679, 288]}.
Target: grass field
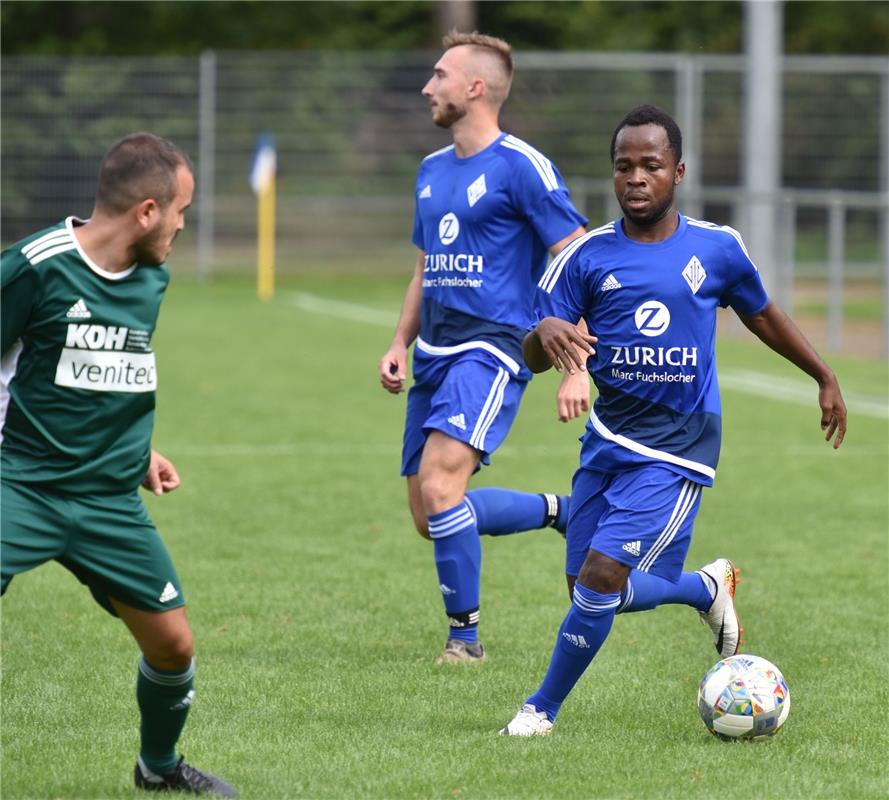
{"type": "Point", "coordinates": [317, 615]}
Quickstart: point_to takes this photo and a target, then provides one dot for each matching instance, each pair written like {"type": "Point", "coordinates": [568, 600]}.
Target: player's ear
{"type": "Point", "coordinates": [679, 174]}
{"type": "Point", "coordinates": [146, 212]}
{"type": "Point", "coordinates": [476, 88]}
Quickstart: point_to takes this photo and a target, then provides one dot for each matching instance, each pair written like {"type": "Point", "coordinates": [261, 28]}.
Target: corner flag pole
{"type": "Point", "coordinates": [265, 275]}
{"type": "Point", "coordinates": [262, 179]}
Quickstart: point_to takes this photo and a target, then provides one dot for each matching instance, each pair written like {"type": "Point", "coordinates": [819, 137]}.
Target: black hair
{"type": "Point", "coordinates": [651, 115]}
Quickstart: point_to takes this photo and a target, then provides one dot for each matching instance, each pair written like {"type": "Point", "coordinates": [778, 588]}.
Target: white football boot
{"type": "Point", "coordinates": [528, 722]}
{"type": "Point", "coordinates": [728, 635]}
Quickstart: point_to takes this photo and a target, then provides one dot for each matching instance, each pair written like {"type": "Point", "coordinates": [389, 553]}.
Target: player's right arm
{"type": "Point", "coordinates": [393, 364]}
{"type": "Point", "coordinates": [557, 343]}
{"type": "Point", "coordinates": [162, 476]}
{"type": "Point", "coordinates": [19, 288]}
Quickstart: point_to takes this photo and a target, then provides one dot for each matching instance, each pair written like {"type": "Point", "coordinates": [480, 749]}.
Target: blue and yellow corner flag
{"type": "Point", "coordinates": [262, 181]}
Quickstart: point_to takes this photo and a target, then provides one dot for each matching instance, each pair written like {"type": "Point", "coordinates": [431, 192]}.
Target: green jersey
{"type": "Point", "coordinates": [78, 376]}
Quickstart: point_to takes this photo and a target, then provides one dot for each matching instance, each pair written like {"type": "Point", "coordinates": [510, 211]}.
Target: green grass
{"type": "Point", "coordinates": [317, 616]}
{"type": "Point", "coordinates": [858, 310]}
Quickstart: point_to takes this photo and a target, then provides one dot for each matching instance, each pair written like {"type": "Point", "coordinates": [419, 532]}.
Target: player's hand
{"type": "Point", "coordinates": [573, 396]}
{"type": "Point", "coordinates": [833, 411]}
{"type": "Point", "coordinates": [393, 369]}
{"type": "Point", "coordinates": [564, 344]}
{"type": "Point", "coordinates": [162, 476]}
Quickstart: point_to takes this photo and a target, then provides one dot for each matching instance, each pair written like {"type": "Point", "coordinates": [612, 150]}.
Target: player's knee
{"type": "Point", "coordinates": [438, 493]}
{"type": "Point", "coordinates": [422, 525]}
{"type": "Point", "coordinates": [174, 651]}
{"type": "Point", "coordinates": [602, 574]}
{"type": "Point", "coordinates": [571, 580]}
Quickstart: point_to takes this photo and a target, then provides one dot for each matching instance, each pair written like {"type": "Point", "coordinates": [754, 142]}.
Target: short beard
{"type": "Point", "coordinates": [449, 115]}
{"type": "Point", "coordinates": [146, 252]}
{"type": "Point", "coordinates": [651, 217]}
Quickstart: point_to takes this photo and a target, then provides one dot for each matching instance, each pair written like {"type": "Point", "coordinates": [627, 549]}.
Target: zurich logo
{"type": "Point", "coordinates": [652, 318]}
{"type": "Point", "coordinates": [448, 228]}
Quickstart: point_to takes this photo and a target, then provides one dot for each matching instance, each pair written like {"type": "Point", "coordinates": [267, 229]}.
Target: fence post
{"type": "Point", "coordinates": [884, 211]}
{"type": "Point", "coordinates": [206, 162]}
{"type": "Point", "coordinates": [836, 237]}
{"type": "Point", "coordinates": [689, 110]}
{"type": "Point", "coordinates": [884, 251]}
{"type": "Point", "coordinates": [763, 46]}
{"type": "Point", "coordinates": [787, 265]}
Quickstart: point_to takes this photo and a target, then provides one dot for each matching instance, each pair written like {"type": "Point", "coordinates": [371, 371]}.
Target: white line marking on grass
{"type": "Point", "coordinates": [566, 453]}
{"type": "Point", "coordinates": [354, 312]}
{"type": "Point", "coordinates": [797, 392]}
{"type": "Point", "coordinates": [788, 390]}
{"type": "Point", "coordinates": [313, 449]}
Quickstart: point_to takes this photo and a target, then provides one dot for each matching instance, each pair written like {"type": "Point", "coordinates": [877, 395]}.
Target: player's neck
{"type": "Point", "coordinates": [663, 229]}
{"type": "Point", "coordinates": [105, 243]}
{"type": "Point", "coordinates": [473, 136]}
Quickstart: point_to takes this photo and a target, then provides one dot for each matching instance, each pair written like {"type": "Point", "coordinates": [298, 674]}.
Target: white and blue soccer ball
{"type": "Point", "coordinates": [743, 697]}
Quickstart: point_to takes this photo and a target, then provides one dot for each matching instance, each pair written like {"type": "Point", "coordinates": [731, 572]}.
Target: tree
{"type": "Point", "coordinates": [186, 27]}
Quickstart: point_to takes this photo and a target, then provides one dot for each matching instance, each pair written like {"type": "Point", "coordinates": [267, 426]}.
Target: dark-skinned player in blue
{"type": "Point", "coordinates": [648, 286]}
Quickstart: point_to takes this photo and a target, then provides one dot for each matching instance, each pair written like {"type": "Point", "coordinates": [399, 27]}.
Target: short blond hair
{"type": "Point", "coordinates": [486, 45]}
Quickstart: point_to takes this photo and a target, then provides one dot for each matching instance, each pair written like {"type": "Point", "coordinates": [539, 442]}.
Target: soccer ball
{"type": "Point", "coordinates": [743, 697]}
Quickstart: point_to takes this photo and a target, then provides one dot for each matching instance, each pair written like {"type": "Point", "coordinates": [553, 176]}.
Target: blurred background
{"type": "Point", "coordinates": [784, 109]}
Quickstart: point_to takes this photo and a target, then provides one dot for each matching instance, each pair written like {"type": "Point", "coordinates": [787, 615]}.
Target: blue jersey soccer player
{"type": "Point", "coordinates": [488, 210]}
{"type": "Point", "coordinates": [648, 286]}
{"type": "Point", "coordinates": [79, 305]}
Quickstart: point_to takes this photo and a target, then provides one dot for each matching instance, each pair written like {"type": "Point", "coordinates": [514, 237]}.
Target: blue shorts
{"type": "Point", "coordinates": [473, 398]}
{"type": "Point", "coordinates": [642, 518]}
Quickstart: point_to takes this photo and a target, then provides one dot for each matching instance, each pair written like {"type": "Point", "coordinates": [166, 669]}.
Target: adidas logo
{"type": "Point", "coordinates": [458, 421]}
{"type": "Point", "coordinates": [185, 702]}
{"type": "Point", "coordinates": [577, 641]}
{"type": "Point", "coordinates": [169, 593]}
{"type": "Point", "coordinates": [632, 547]}
{"type": "Point", "coordinates": [426, 191]}
{"type": "Point", "coordinates": [446, 590]}
{"type": "Point", "coordinates": [462, 623]}
{"type": "Point", "coordinates": [79, 311]}
{"type": "Point", "coordinates": [610, 283]}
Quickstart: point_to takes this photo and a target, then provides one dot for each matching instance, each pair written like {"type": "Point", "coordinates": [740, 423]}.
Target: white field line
{"type": "Point", "coordinates": [770, 387]}
{"type": "Point", "coordinates": [340, 309]}
{"type": "Point", "coordinates": [566, 453]}
{"type": "Point", "coordinates": [797, 392]}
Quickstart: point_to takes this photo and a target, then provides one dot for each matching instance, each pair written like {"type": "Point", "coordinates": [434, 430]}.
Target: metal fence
{"type": "Point", "coordinates": [352, 127]}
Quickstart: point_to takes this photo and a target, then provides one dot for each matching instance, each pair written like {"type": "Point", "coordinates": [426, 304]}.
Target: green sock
{"type": "Point", "coordinates": [164, 700]}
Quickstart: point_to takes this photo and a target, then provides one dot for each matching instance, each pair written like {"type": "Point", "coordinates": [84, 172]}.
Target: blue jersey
{"type": "Point", "coordinates": [653, 307]}
{"type": "Point", "coordinates": [485, 223]}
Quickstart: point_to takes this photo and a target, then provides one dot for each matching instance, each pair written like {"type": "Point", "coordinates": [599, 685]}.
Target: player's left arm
{"type": "Point", "coordinates": [557, 248]}
{"type": "Point", "coordinates": [573, 394]}
{"type": "Point", "coordinates": [778, 331]}
{"type": "Point", "coordinates": [162, 476]}
{"type": "Point", "coordinates": [19, 289]}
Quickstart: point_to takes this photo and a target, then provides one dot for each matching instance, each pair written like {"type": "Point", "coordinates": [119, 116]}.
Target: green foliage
{"type": "Point", "coordinates": [712, 27]}
{"type": "Point", "coordinates": [317, 616]}
{"type": "Point", "coordinates": [187, 26]}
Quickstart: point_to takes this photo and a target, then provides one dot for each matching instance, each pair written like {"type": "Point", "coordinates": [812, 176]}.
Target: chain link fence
{"type": "Point", "coordinates": [352, 127]}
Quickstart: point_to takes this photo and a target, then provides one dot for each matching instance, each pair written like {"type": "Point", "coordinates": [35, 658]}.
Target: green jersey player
{"type": "Point", "coordinates": [79, 305]}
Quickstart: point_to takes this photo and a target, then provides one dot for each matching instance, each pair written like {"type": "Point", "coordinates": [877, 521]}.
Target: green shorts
{"type": "Point", "coordinates": [107, 541]}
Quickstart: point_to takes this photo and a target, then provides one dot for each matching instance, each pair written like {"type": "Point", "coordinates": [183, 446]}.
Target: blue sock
{"type": "Point", "coordinates": [644, 592]}
{"type": "Point", "coordinates": [582, 634]}
{"type": "Point", "coordinates": [503, 511]}
{"type": "Point", "coordinates": [458, 559]}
